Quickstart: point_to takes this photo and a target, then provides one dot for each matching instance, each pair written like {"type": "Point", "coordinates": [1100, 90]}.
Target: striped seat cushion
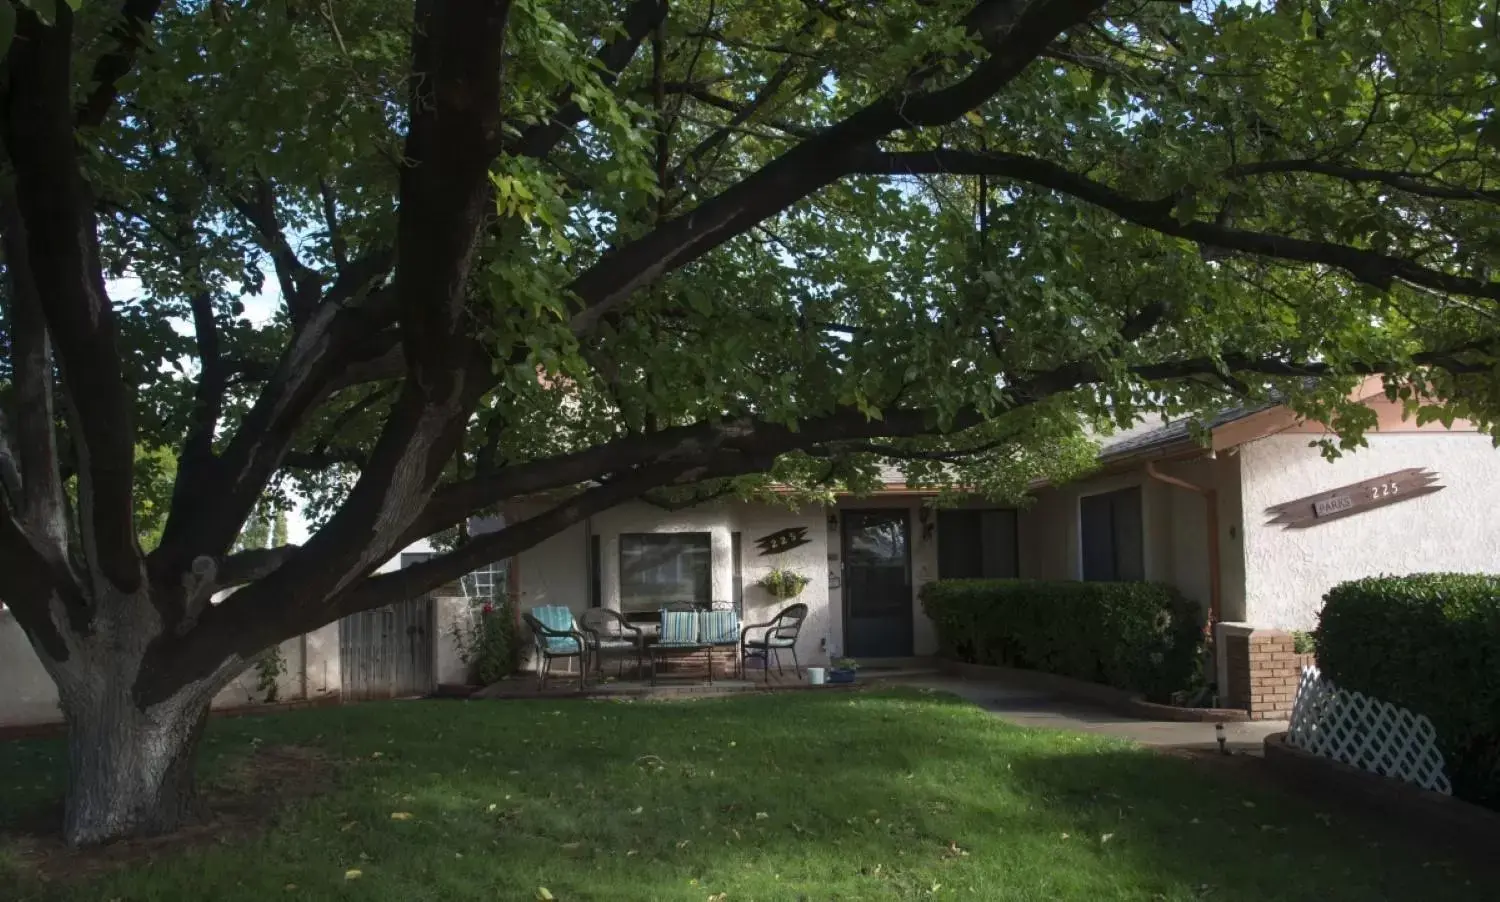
{"type": "Point", "coordinates": [679, 627]}
{"type": "Point", "coordinates": [557, 617]}
{"type": "Point", "coordinates": [720, 627]}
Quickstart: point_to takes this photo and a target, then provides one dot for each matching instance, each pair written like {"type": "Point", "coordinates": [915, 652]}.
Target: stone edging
{"type": "Point", "coordinates": [1119, 700]}
{"type": "Point", "coordinates": [1451, 823]}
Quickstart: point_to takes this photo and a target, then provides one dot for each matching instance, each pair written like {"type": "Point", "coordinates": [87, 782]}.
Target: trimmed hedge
{"type": "Point", "coordinates": [1140, 636]}
{"type": "Point", "coordinates": [1429, 642]}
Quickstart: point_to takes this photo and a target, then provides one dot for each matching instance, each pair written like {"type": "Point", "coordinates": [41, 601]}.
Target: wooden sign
{"type": "Point", "coordinates": [1349, 500]}
{"type": "Point", "coordinates": [783, 540]}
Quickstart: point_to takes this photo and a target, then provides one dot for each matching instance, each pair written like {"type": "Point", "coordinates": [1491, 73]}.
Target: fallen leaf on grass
{"type": "Point", "coordinates": [637, 809]}
{"type": "Point", "coordinates": [1106, 837]}
{"type": "Point", "coordinates": [353, 874]}
{"type": "Point", "coordinates": [400, 815]}
{"type": "Point", "coordinates": [290, 886]}
{"type": "Point", "coordinates": [377, 754]}
{"type": "Point", "coordinates": [544, 894]}
{"type": "Point", "coordinates": [761, 815]}
{"type": "Point", "coordinates": [571, 845]}
{"type": "Point", "coordinates": [1065, 836]}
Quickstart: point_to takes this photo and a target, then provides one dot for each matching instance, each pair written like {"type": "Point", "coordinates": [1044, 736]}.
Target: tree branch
{"type": "Point", "coordinates": [57, 208]}
{"type": "Point", "coordinates": [336, 242]}
{"type": "Point", "coordinates": [40, 501]}
{"type": "Point", "coordinates": [299, 282]}
{"type": "Point", "coordinates": [1398, 180]}
{"type": "Point", "coordinates": [208, 400]}
{"type": "Point", "coordinates": [253, 564]}
{"type": "Point", "coordinates": [454, 110]}
{"type": "Point", "coordinates": [1014, 30]}
{"type": "Point", "coordinates": [128, 34]}
{"type": "Point", "coordinates": [1372, 268]}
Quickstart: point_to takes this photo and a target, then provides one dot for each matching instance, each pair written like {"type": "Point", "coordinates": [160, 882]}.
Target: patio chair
{"type": "Point", "coordinates": [720, 629]}
{"type": "Point", "coordinates": [555, 635]}
{"type": "Point", "coordinates": [780, 634]}
{"type": "Point", "coordinates": [609, 632]}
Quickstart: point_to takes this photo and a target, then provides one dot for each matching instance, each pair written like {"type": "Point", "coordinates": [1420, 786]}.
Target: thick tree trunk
{"type": "Point", "coordinates": [131, 772]}
{"type": "Point", "coordinates": [131, 763]}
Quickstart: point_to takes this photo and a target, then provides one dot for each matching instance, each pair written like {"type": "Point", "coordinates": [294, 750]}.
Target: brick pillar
{"type": "Point", "coordinates": [1275, 670]}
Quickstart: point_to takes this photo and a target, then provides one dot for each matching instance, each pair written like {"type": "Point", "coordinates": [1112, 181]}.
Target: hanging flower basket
{"type": "Point", "coordinates": [784, 584]}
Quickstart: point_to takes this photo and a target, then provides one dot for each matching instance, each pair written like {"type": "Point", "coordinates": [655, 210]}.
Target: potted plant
{"type": "Point", "coordinates": [843, 670]}
{"type": "Point", "coordinates": [783, 583]}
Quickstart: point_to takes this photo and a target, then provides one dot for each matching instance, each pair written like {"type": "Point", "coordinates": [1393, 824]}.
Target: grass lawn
{"type": "Point", "coordinates": [867, 796]}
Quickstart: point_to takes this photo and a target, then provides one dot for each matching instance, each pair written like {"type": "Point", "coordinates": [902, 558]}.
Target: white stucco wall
{"type": "Point", "coordinates": [27, 695]}
{"type": "Point", "coordinates": [1288, 571]}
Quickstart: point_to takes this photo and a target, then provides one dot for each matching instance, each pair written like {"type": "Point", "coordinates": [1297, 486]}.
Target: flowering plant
{"type": "Point", "coordinates": [487, 641]}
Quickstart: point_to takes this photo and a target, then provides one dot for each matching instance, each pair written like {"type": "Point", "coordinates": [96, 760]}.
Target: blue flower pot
{"type": "Point", "coordinates": [841, 676]}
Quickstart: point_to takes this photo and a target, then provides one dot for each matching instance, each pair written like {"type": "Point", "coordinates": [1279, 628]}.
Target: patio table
{"type": "Point", "coordinates": [660, 650]}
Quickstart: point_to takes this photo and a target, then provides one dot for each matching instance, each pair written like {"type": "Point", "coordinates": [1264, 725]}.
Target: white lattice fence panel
{"type": "Point", "coordinates": [1366, 733]}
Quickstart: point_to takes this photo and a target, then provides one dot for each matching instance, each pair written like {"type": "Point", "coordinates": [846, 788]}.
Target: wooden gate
{"type": "Point", "coordinates": [387, 652]}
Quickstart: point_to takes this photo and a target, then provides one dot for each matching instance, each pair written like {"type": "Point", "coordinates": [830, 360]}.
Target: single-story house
{"type": "Point", "coordinates": [1256, 525]}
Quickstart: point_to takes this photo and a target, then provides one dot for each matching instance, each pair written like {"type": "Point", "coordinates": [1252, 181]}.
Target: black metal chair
{"type": "Point", "coordinates": [609, 632]}
{"type": "Point", "coordinates": [559, 640]}
{"type": "Point", "coordinates": [780, 633]}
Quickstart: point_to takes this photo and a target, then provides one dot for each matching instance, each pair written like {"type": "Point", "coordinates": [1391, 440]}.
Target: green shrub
{"type": "Point", "coordinates": [1304, 643]}
{"type": "Point", "coordinates": [488, 643]}
{"type": "Point", "coordinates": [1140, 636]}
{"type": "Point", "coordinates": [1429, 642]}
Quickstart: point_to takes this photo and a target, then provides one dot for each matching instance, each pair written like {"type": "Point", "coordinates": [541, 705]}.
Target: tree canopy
{"type": "Point", "coordinates": [609, 249]}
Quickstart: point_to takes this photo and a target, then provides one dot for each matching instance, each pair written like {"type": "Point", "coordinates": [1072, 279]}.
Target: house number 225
{"type": "Point", "coordinates": [1384, 490]}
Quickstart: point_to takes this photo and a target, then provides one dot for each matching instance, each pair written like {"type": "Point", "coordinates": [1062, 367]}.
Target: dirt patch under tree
{"type": "Point", "coordinates": [238, 803]}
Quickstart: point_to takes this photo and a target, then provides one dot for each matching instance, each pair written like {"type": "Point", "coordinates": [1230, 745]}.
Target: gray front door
{"type": "Point", "coordinates": [877, 584]}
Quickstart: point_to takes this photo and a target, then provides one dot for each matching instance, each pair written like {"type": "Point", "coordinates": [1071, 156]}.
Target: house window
{"type": "Point", "coordinates": [1111, 536]}
{"type": "Point", "coordinates": [658, 568]}
{"type": "Point", "coordinates": [977, 544]}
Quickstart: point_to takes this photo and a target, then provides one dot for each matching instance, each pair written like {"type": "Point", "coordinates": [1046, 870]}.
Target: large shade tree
{"type": "Point", "coordinates": [597, 250]}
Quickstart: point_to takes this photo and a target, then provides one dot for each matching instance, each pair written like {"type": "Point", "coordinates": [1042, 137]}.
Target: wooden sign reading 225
{"type": "Point", "coordinates": [1349, 500]}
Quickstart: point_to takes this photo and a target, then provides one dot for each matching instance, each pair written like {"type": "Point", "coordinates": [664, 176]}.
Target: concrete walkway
{"type": "Point", "coordinates": [1039, 708]}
